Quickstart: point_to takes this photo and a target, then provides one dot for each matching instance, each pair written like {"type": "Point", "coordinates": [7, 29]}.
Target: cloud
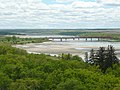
{"type": "Point", "coordinates": [82, 4]}
{"type": "Point", "coordinates": [64, 1]}
{"type": "Point", "coordinates": [75, 14]}
{"type": "Point", "coordinates": [109, 2]}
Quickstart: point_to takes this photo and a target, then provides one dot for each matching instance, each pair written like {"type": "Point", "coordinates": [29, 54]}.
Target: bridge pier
{"type": "Point", "coordinates": [65, 39]}
{"type": "Point", "coordinates": [61, 39]}
{"type": "Point", "coordinates": [86, 39]}
{"type": "Point", "coordinates": [91, 39]}
{"type": "Point", "coordinates": [98, 39]}
{"type": "Point", "coordinates": [73, 38]}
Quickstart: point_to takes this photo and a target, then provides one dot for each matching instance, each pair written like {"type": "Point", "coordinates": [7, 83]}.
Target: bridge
{"type": "Point", "coordinates": [79, 37]}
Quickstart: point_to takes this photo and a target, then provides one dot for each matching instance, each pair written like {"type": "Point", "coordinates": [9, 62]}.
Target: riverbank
{"type": "Point", "coordinates": [50, 48]}
{"type": "Point", "coordinates": [73, 47]}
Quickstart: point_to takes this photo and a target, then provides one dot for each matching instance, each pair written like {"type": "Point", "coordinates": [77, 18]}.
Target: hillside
{"type": "Point", "coordinates": [22, 71]}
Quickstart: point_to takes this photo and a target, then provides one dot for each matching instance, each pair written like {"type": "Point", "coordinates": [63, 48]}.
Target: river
{"type": "Point", "coordinates": [75, 47]}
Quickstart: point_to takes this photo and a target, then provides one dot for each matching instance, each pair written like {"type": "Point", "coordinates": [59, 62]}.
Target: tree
{"type": "Point", "coordinates": [4, 81]}
{"type": "Point", "coordinates": [8, 38]}
{"type": "Point", "coordinates": [104, 58]}
{"type": "Point", "coordinates": [86, 56]}
{"type": "Point", "coordinates": [66, 56]}
{"type": "Point", "coordinates": [90, 59]}
{"type": "Point", "coordinates": [76, 57]}
{"type": "Point", "coordinates": [71, 84]}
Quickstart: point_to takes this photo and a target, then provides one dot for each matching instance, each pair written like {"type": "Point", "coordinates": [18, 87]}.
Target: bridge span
{"type": "Point", "coordinates": [79, 37]}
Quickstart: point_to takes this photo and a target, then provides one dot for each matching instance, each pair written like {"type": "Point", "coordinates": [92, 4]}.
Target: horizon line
{"type": "Point", "coordinates": [61, 28]}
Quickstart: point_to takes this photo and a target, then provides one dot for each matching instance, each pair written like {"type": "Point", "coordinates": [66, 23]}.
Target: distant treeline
{"type": "Point", "coordinates": [73, 33]}
{"type": "Point", "coordinates": [9, 33]}
{"type": "Point", "coordinates": [50, 31]}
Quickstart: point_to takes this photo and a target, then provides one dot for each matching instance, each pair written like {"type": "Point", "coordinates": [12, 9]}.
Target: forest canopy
{"type": "Point", "coordinates": [22, 71]}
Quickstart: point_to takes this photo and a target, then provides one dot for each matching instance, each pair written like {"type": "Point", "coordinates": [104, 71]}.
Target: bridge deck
{"type": "Point", "coordinates": [77, 37]}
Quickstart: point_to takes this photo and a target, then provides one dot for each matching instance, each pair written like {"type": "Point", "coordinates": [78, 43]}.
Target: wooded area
{"type": "Point", "coordinates": [22, 71]}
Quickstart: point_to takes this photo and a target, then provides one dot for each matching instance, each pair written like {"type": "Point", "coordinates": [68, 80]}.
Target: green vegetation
{"type": "Point", "coordinates": [115, 36]}
{"type": "Point", "coordinates": [9, 33]}
{"type": "Point", "coordinates": [22, 71]}
{"type": "Point", "coordinates": [17, 40]}
{"type": "Point", "coordinates": [104, 58]}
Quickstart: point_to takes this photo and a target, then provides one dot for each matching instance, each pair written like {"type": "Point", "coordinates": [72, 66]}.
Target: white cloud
{"type": "Point", "coordinates": [110, 2]}
{"type": "Point", "coordinates": [64, 1]}
{"type": "Point", "coordinates": [36, 14]}
{"type": "Point", "coordinates": [82, 4]}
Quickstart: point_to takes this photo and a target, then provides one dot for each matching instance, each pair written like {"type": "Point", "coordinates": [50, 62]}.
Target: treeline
{"type": "Point", "coordinates": [17, 40]}
{"type": "Point", "coordinates": [7, 33]}
{"type": "Point", "coordinates": [22, 71]}
{"type": "Point", "coordinates": [115, 36]}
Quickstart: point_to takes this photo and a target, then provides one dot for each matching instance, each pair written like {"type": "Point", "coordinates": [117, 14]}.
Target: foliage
{"type": "Point", "coordinates": [104, 58]}
{"type": "Point", "coordinates": [22, 71]}
{"type": "Point", "coordinates": [17, 40]}
{"type": "Point", "coordinates": [70, 57]}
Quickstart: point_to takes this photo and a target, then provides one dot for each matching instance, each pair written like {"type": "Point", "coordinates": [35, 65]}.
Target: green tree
{"type": "Point", "coordinates": [71, 84]}
{"type": "Point", "coordinates": [4, 81]}
{"type": "Point", "coordinates": [104, 58]}
{"type": "Point", "coordinates": [8, 38]}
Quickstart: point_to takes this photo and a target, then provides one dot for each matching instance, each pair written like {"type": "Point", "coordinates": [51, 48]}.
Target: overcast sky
{"type": "Point", "coordinates": [59, 14]}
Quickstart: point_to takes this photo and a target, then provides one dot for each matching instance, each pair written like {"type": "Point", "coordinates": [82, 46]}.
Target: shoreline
{"type": "Point", "coordinates": [73, 47]}
{"type": "Point", "coordinates": [48, 49]}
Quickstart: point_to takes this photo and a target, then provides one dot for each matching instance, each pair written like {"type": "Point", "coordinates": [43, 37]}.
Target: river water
{"type": "Point", "coordinates": [75, 47]}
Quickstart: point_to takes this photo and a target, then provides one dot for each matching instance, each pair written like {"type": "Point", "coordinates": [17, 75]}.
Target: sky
{"type": "Point", "coordinates": [59, 14]}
